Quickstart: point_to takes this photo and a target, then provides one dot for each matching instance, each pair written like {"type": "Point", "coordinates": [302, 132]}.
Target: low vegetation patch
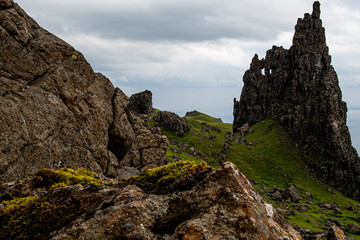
{"type": "Point", "coordinates": [66, 177]}
{"type": "Point", "coordinates": [206, 137]}
{"type": "Point", "coordinates": [37, 216]}
{"type": "Point", "coordinates": [175, 176]}
{"type": "Point", "coordinates": [34, 216]}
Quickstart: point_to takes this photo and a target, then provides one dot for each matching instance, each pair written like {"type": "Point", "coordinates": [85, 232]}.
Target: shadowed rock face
{"type": "Point", "coordinates": [299, 87]}
{"type": "Point", "coordinates": [141, 103]}
{"type": "Point", "coordinates": [56, 112]}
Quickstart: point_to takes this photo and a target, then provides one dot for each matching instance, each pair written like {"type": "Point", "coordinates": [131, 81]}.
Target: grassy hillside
{"type": "Point", "coordinates": [269, 159]}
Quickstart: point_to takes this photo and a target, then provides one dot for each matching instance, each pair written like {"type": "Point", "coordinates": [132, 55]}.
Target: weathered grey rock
{"type": "Point", "coordinates": [173, 122]}
{"type": "Point", "coordinates": [283, 212]}
{"type": "Point", "coordinates": [244, 129]}
{"type": "Point", "coordinates": [353, 228]}
{"type": "Point", "coordinates": [335, 233]}
{"type": "Point", "coordinates": [54, 110]}
{"type": "Point", "coordinates": [328, 206]}
{"type": "Point", "coordinates": [127, 172]}
{"type": "Point", "coordinates": [292, 194]}
{"type": "Point", "coordinates": [141, 103]}
{"type": "Point", "coordinates": [299, 88]}
{"type": "Point", "coordinates": [277, 196]}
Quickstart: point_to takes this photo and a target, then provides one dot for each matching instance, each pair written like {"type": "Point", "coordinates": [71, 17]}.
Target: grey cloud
{"type": "Point", "coordinates": [171, 20]}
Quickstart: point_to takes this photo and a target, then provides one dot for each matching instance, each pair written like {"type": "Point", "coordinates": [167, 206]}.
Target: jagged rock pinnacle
{"type": "Point", "coordinates": [299, 87]}
{"type": "Point", "coordinates": [316, 10]}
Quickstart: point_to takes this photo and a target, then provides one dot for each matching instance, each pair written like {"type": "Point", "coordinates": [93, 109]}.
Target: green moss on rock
{"type": "Point", "coordinates": [34, 216]}
{"type": "Point", "coordinates": [179, 175]}
{"type": "Point", "coordinates": [37, 216]}
{"type": "Point", "coordinates": [66, 176]}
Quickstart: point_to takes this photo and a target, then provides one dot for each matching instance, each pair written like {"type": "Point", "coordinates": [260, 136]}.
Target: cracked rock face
{"type": "Point", "coordinates": [299, 87]}
{"type": "Point", "coordinates": [55, 111]}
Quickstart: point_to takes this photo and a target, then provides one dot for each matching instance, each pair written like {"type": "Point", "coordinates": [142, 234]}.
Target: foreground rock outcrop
{"type": "Point", "coordinates": [299, 87]}
{"type": "Point", "coordinates": [56, 112]}
{"type": "Point", "coordinates": [220, 204]}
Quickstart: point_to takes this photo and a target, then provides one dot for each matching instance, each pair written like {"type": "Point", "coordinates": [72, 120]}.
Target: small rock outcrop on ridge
{"type": "Point", "coordinates": [171, 121]}
{"type": "Point", "coordinates": [193, 113]}
{"type": "Point", "coordinates": [299, 87]}
{"type": "Point", "coordinates": [56, 112]}
{"type": "Point", "coordinates": [141, 103]}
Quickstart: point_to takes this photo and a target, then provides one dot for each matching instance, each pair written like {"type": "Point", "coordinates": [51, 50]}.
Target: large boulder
{"type": "Point", "coordinates": [299, 88]}
{"type": "Point", "coordinates": [55, 111]}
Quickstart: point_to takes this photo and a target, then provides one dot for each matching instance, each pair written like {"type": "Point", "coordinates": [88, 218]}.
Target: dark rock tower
{"type": "Point", "coordinates": [299, 87]}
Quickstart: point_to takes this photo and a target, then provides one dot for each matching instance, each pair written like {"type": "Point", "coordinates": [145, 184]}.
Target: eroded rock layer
{"type": "Point", "coordinates": [56, 112]}
{"type": "Point", "coordinates": [299, 87]}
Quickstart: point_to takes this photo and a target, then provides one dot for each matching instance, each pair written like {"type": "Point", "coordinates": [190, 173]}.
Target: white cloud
{"type": "Point", "coordinates": [123, 79]}
{"type": "Point", "coordinates": [194, 63]}
{"type": "Point", "coordinates": [193, 43]}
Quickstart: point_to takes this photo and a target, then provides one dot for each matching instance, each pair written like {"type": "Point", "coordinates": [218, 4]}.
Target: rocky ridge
{"type": "Point", "coordinates": [57, 112]}
{"type": "Point", "coordinates": [299, 88]}
{"type": "Point", "coordinates": [220, 205]}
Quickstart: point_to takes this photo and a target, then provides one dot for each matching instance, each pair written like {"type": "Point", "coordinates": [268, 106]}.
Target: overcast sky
{"type": "Point", "coordinates": [192, 54]}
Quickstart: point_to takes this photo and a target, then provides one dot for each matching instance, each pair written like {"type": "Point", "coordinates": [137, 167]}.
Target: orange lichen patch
{"type": "Point", "coordinates": [194, 233]}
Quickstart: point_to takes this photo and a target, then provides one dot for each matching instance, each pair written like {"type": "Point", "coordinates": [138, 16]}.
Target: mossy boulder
{"type": "Point", "coordinates": [65, 177]}
{"type": "Point", "coordinates": [47, 201]}
{"type": "Point", "coordinates": [180, 175]}
{"type": "Point", "coordinates": [34, 216]}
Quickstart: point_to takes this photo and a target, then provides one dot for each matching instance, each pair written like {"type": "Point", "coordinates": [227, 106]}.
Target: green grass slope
{"type": "Point", "coordinates": [268, 158]}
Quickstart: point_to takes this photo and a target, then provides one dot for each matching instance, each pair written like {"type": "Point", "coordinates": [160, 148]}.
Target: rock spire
{"type": "Point", "coordinates": [299, 87]}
